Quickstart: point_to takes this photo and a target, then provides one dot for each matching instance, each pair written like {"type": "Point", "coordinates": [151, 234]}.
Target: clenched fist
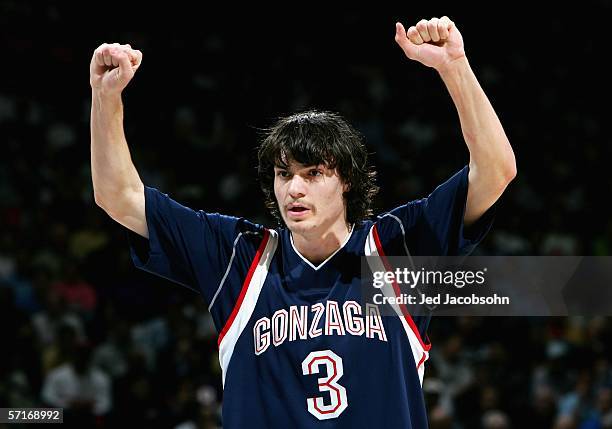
{"type": "Point", "coordinates": [435, 43]}
{"type": "Point", "coordinates": [112, 67]}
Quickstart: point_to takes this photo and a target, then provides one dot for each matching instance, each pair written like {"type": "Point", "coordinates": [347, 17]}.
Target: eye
{"type": "Point", "coordinates": [282, 173]}
{"type": "Point", "coordinates": [315, 172]}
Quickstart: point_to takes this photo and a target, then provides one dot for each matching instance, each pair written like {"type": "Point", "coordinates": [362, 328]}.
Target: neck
{"type": "Point", "coordinates": [317, 248]}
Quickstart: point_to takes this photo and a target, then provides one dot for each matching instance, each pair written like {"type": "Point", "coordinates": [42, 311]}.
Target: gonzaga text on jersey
{"type": "Point", "coordinates": [331, 318]}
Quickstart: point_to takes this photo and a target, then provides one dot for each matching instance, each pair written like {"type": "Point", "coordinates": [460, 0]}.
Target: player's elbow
{"type": "Point", "coordinates": [504, 168]}
{"type": "Point", "coordinates": [104, 203]}
{"type": "Point", "coordinates": [509, 170]}
{"type": "Point", "coordinates": [497, 173]}
{"type": "Point", "coordinates": [503, 175]}
{"type": "Point", "coordinates": [99, 200]}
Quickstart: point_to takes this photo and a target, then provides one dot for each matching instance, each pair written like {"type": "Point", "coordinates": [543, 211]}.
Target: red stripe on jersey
{"type": "Point", "coordinates": [245, 286]}
{"type": "Point", "coordinates": [397, 290]}
{"type": "Point", "coordinates": [421, 361]}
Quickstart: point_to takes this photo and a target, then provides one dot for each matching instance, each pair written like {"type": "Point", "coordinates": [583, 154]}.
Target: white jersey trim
{"type": "Point", "coordinates": [316, 268]}
{"type": "Point", "coordinates": [247, 306]}
{"type": "Point", "coordinates": [376, 263]}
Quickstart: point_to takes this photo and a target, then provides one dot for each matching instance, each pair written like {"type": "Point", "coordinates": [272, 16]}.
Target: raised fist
{"type": "Point", "coordinates": [112, 67]}
{"type": "Point", "coordinates": [435, 43]}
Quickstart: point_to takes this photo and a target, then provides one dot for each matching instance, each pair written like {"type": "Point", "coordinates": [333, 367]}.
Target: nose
{"type": "Point", "coordinates": [297, 187]}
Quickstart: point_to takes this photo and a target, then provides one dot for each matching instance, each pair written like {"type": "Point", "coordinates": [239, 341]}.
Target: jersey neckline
{"type": "Point", "coordinates": [318, 267]}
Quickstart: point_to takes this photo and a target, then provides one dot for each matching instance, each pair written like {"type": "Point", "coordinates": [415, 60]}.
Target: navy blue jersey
{"type": "Point", "coordinates": [297, 346]}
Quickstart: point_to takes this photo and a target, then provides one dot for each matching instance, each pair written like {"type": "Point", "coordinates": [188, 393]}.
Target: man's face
{"type": "Point", "coordinates": [309, 197]}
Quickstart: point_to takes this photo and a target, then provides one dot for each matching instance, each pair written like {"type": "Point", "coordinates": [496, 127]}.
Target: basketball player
{"type": "Point", "coordinates": [297, 346]}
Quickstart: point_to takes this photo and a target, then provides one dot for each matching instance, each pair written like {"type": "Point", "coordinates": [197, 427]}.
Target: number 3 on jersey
{"type": "Point", "coordinates": [337, 393]}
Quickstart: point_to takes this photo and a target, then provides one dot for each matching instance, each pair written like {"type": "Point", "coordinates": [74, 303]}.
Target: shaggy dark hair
{"type": "Point", "coordinates": [318, 137]}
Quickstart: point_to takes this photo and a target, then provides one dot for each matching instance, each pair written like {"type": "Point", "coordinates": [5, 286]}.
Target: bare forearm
{"type": "Point", "coordinates": [484, 135]}
{"type": "Point", "coordinates": [113, 172]}
{"type": "Point", "coordinates": [437, 43]}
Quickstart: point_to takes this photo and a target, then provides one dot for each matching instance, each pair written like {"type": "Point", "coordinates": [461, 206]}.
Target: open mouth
{"type": "Point", "coordinates": [297, 212]}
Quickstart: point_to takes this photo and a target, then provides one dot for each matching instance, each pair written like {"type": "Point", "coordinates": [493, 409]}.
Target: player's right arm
{"type": "Point", "coordinates": [117, 187]}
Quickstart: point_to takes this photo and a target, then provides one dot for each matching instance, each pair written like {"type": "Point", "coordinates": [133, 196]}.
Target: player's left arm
{"type": "Point", "coordinates": [437, 43]}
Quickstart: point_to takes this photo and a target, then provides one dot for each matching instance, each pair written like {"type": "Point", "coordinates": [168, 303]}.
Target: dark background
{"type": "Point", "coordinates": [211, 78]}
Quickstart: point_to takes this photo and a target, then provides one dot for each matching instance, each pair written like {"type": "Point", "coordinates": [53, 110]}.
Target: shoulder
{"type": "Point", "coordinates": [400, 219]}
{"type": "Point", "coordinates": [255, 236]}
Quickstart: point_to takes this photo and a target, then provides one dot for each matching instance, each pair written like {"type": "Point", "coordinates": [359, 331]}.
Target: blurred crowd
{"type": "Point", "coordinates": [84, 330]}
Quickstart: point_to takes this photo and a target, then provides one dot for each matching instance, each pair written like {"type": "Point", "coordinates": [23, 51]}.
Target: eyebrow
{"type": "Point", "coordinates": [286, 167]}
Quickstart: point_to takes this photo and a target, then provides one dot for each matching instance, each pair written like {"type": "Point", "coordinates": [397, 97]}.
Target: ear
{"type": "Point", "coordinates": [346, 187]}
